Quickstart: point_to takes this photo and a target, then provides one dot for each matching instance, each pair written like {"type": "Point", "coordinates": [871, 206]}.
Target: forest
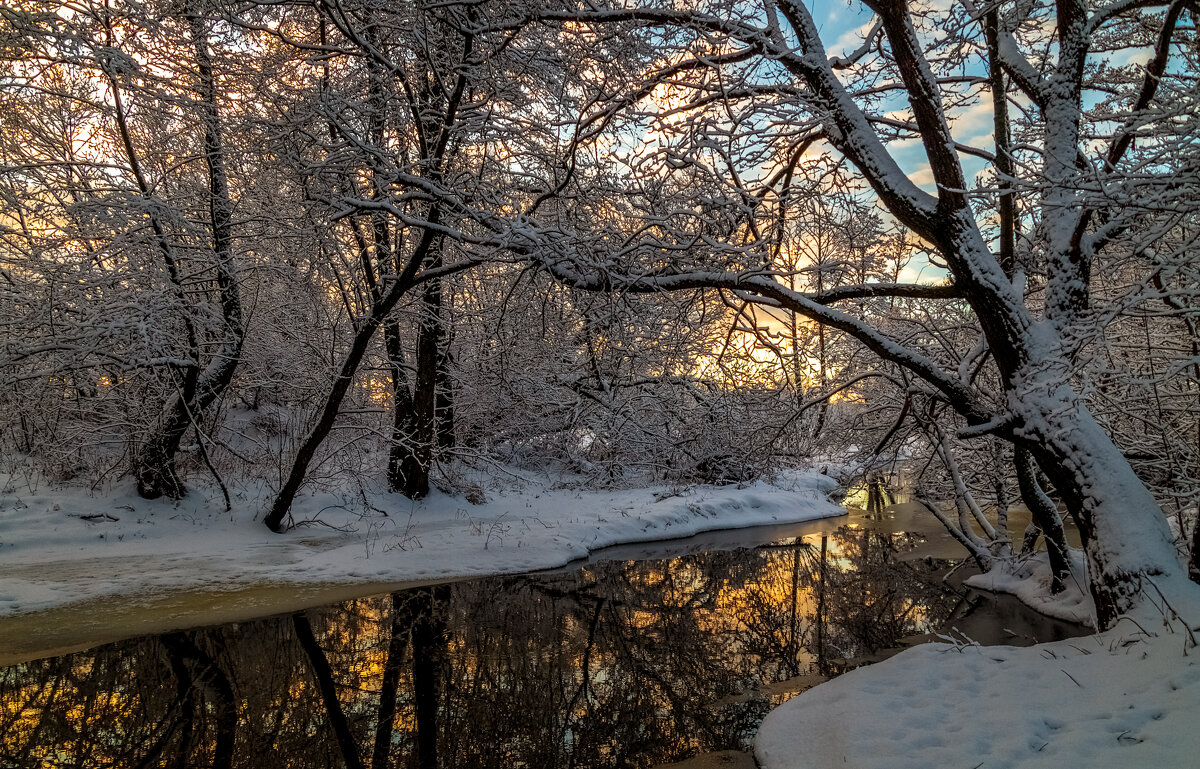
{"type": "Point", "coordinates": [369, 244]}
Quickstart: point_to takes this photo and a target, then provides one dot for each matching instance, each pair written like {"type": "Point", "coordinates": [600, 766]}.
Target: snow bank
{"type": "Point", "coordinates": [1121, 699]}
{"type": "Point", "coordinates": [64, 546]}
{"type": "Point", "coordinates": [1029, 580]}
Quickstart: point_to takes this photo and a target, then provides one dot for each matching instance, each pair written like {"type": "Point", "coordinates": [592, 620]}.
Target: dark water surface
{"type": "Point", "coordinates": [645, 655]}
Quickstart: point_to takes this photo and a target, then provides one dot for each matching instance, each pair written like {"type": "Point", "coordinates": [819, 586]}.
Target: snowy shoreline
{"type": "Point", "coordinates": [77, 569]}
{"type": "Point", "coordinates": [61, 546]}
{"type": "Point", "coordinates": [1122, 699]}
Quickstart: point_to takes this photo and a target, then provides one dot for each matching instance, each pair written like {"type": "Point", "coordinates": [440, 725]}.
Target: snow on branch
{"type": "Point", "coordinates": [758, 287]}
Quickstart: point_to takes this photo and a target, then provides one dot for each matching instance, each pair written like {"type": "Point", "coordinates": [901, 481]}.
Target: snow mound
{"type": "Point", "coordinates": [1118, 700]}
{"type": "Point", "coordinates": [1029, 580]}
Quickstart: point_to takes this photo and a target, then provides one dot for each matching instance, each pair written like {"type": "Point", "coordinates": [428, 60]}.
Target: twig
{"type": "Point", "coordinates": [1174, 614]}
{"type": "Point", "coordinates": [99, 517]}
{"type": "Point", "coordinates": [315, 522]}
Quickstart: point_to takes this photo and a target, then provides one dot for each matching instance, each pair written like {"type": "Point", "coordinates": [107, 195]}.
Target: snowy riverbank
{"type": "Point", "coordinates": [1124, 699]}
{"type": "Point", "coordinates": [62, 546]}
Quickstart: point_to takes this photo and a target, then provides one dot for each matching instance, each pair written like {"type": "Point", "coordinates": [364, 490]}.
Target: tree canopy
{"type": "Point", "coordinates": [629, 241]}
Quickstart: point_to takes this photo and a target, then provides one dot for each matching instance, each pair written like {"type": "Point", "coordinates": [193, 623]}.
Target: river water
{"type": "Point", "coordinates": [643, 656]}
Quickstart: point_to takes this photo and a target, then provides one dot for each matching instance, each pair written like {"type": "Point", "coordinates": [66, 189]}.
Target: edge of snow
{"type": "Point", "coordinates": [1028, 579]}
{"type": "Point", "coordinates": [62, 546]}
{"type": "Point", "coordinates": [1114, 700]}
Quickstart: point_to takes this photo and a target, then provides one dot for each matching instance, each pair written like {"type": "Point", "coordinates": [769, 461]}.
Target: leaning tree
{"type": "Point", "coordinates": [741, 87]}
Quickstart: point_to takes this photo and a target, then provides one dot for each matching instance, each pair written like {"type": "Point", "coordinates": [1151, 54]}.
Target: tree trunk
{"type": "Point", "coordinates": [403, 415]}
{"type": "Point", "coordinates": [1194, 560]}
{"type": "Point", "coordinates": [329, 411]}
{"type": "Point", "coordinates": [1126, 538]}
{"type": "Point", "coordinates": [1125, 534]}
{"type": "Point", "coordinates": [1004, 164]}
{"type": "Point", "coordinates": [1045, 518]}
{"type": "Point", "coordinates": [443, 410]}
{"type": "Point", "coordinates": [154, 465]}
{"type": "Point", "coordinates": [1193, 333]}
{"type": "Point", "coordinates": [411, 456]}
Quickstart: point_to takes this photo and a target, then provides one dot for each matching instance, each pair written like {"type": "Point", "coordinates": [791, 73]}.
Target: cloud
{"type": "Point", "coordinates": [849, 40]}
{"type": "Point", "coordinates": [923, 178]}
{"type": "Point", "coordinates": [974, 125]}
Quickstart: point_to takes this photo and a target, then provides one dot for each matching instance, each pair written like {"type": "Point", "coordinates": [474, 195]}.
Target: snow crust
{"type": "Point", "coordinates": [1116, 700]}
{"type": "Point", "coordinates": [62, 546]}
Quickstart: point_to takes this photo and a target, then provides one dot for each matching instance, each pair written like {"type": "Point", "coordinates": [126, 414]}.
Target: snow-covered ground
{"type": "Point", "coordinates": [1127, 698]}
{"type": "Point", "coordinates": [1124, 699]}
{"type": "Point", "coordinates": [61, 546]}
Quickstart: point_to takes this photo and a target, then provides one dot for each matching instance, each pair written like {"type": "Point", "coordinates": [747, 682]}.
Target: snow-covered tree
{"type": "Point", "coordinates": [762, 74]}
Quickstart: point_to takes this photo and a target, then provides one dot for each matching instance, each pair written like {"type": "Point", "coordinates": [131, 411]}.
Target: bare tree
{"type": "Point", "coordinates": [154, 464]}
{"type": "Point", "coordinates": [423, 141]}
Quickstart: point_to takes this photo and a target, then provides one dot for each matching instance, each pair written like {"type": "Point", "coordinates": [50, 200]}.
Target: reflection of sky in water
{"type": "Point", "coordinates": [618, 663]}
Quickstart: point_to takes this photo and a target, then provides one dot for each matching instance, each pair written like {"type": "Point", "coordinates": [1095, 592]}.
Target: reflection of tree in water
{"type": "Point", "coordinates": [829, 601]}
{"type": "Point", "coordinates": [618, 664]}
{"type": "Point", "coordinates": [876, 599]}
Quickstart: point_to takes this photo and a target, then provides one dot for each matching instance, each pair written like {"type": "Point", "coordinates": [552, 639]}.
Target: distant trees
{"type": "Point", "coordinates": [408, 102]}
{"type": "Point", "coordinates": [231, 261]}
{"type": "Point", "coordinates": [154, 463]}
{"type": "Point", "coordinates": [120, 257]}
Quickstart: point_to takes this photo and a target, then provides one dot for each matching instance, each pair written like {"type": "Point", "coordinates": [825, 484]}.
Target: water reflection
{"type": "Point", "coordinates": [629, 663]}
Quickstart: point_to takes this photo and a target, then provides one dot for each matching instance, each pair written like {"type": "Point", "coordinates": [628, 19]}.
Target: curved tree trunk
{"type": "Point", "coordinates": [1125, 535]}
{"type": "Point", "coordinates": [1126, 539]}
